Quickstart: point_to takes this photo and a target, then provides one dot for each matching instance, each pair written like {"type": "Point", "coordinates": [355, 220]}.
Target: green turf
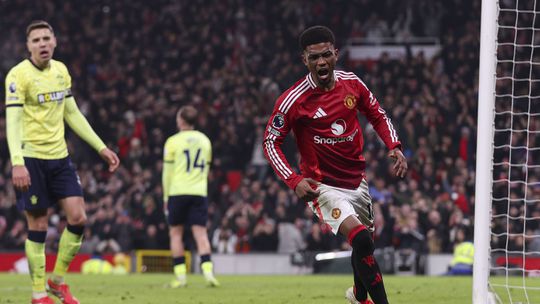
{"type": "Point", "coordinates": [149, 288]}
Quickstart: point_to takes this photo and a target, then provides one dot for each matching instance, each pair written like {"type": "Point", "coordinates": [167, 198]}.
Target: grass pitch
{"type": "Point", "coordinates": [319, 289]}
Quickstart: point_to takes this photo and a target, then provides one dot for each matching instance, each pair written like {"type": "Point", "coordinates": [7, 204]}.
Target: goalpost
{"type": "Point", "coordinates": [507, 209]}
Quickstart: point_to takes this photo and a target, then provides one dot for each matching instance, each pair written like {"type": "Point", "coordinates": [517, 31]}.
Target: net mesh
{"type": "Point", "coordinates": [515, 227]}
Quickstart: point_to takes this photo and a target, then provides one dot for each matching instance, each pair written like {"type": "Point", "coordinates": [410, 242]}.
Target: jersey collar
{"type": "Point", "coordinates": [40, 69]}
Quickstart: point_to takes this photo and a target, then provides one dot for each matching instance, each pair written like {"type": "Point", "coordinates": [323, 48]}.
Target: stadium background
{"type": "Point", "coordinates": [134, 64]}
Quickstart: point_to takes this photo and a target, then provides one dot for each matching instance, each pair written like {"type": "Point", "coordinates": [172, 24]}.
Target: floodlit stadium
{"type": "Point", "coordinates": [450, 90]}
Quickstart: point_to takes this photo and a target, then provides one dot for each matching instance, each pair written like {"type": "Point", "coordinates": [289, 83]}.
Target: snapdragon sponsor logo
{"type": "Point", "coordinates": [334, 140]}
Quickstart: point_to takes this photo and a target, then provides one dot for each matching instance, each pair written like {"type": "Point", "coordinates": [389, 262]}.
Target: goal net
{"type": "Point", "coordinates": [507, 213]}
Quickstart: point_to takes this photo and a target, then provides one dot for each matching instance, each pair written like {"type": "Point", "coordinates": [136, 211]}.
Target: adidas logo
{"type": "Point", "coordinates": [320, 113]}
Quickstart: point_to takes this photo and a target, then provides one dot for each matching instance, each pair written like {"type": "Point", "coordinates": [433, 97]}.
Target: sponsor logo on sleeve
{"type": "Point", "coordinates": [278, 121]}
{"type": "Point", "coordinates": [12, 87]}
{"type": "Point", "coordinates": [350, 101]}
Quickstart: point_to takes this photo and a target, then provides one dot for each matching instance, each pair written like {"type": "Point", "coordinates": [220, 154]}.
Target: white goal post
{"type": "Point", "coordinates": [484, 150]}
{"type": "Point", "coordinates": [507, 201]}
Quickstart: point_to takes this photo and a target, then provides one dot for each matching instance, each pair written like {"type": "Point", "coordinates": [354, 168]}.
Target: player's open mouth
{"type": "Point", "coordinates": [323, 74]}
{"type": "Point", "coordinates": [44, 53]}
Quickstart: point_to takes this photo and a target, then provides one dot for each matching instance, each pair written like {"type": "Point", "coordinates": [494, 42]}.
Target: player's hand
{"type": "Point", "coordinates": [400, 165]}
{"type": "Point", "coordinates": [21, 178]}
{"type": "Point", "coordinates": [305, 191]}
{"type": "Point", "coordinates": [111, 158]}
{"type": "Point", "coordinates": [166, 208]}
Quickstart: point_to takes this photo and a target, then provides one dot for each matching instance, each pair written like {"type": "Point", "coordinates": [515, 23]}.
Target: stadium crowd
{"type": "Point", "coordinates": [133, 65]}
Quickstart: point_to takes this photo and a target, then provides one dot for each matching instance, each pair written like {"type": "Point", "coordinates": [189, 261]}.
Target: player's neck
{"type": "Point", "coordinates": [186, 128]}
{"type": "Point", "coordinates": [40, 65]}
{"type": "Point", "coordinates": [327, 86]}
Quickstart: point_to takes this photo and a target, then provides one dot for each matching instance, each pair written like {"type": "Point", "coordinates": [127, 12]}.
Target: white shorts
{"type": "Point", "coordinates": [335, 204]}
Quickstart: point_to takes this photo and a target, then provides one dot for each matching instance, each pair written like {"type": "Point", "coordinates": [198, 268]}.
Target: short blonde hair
{"type": "Point", "coordinates": [188, 114]}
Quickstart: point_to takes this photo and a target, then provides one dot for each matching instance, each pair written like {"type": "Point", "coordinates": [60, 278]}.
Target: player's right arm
{"type": "Point", "coordinates": [15, 98]}
{"type": "Point", "coordinates": [277, 128]}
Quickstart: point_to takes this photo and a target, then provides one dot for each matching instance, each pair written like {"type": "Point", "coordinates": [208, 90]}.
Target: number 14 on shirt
{"type": "Point", "coordinates": [198, 162]}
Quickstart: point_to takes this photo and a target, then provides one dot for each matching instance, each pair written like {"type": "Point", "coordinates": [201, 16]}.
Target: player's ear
{"type": "Point", "coordinates": [304, 58]}
{"type": "Point", "coordinates": [336, 52]}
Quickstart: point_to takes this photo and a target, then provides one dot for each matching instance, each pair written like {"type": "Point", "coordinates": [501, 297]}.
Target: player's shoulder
{"type": "Point", "coordinates": [173, 138]}
{"type": "Point", "coordinates": [295, 93]}
{"type": "Point", "coordinates": [201, 136]}
{"type": "Point", "coordinates": [349, 78]}
{"type": "Point", "coordinates": [346, 76]}
{"type": "Point", "coordinates": [57, 64]}
{"type": "Point", "coordinates": [20, 68]}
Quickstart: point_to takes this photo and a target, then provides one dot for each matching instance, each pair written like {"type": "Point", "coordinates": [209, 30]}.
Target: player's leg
{"type": "Point", "coordinates": [178, 255]}
{"type": "Point", "coordinates": [71, 238]}
{"type": "Point", "coordinates": [363, 260]}
{"type": "Point", "coordinates": [65, 187]}
{"type": "Point", "coordinates": [200, 235]}
{"type": "Point", "coordinates": [358, 231]}
{"type": "Point", "coordinates": [35, 253]}
{"type": "Point", "coordinates": [35, 203]}
{"type": "Point", "coordinates": [337, 207]}
{"type": "Point", "coordinates": [358, 292]}
{"type": "Point", "coordinates": [198, 216]}
{"type": "Point", "coordinates": [178, 207]}
{"type": "Point", "coordinates": [68, 247]}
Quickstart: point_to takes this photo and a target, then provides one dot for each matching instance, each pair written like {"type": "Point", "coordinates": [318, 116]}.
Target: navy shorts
{"type": "Point", "coordinates": [51, 180]}
{"type": "Point", "coordinates": [188, 210]}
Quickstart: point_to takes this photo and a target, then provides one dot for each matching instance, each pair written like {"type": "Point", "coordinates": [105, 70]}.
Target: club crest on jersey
{"type": "Point", "coordinates": [278, 121]}
{"type": "Point", "coordinates": [12, 87]}
{"type": "Point", "coordinates": [336, 213]}
{"type": "Point", "coordinates": [52, 96]}
{"type": "Point", "coordinates": [350, 101]}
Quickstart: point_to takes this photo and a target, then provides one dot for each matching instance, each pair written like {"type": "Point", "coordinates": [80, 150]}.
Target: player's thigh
{"type": "Point", "coordinates": [363, 205]}
{"type": "Point", "coordinates": [63, 179]}
{"type": "Point", "coordinates": [37, 198]}
{"type": "Point", "coordinates": [333, 206]}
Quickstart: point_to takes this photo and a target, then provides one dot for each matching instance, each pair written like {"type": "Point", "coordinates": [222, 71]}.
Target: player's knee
{"type": "Point", "coordinates": [363, 243]}
{"type": "Point", "coordinates": [77, 219]}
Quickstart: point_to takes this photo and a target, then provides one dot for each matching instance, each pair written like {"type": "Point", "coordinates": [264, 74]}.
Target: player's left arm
{"type": "Point", "coordinates": [78, 123]}
{"type": "Point", "coordinates": [376, 115]}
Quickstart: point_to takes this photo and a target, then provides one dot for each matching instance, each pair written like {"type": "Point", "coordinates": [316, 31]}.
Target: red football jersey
{"type": "Point", "coordinates": [328, 133]}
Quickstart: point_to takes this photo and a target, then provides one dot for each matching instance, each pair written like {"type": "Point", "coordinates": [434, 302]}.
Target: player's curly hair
{"type": "Point", "coordinates": [37, 24]}
{"type": "Point", "coordinates": [315, 34]}
{"type": "Point", "coordinates": [188, 114]}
